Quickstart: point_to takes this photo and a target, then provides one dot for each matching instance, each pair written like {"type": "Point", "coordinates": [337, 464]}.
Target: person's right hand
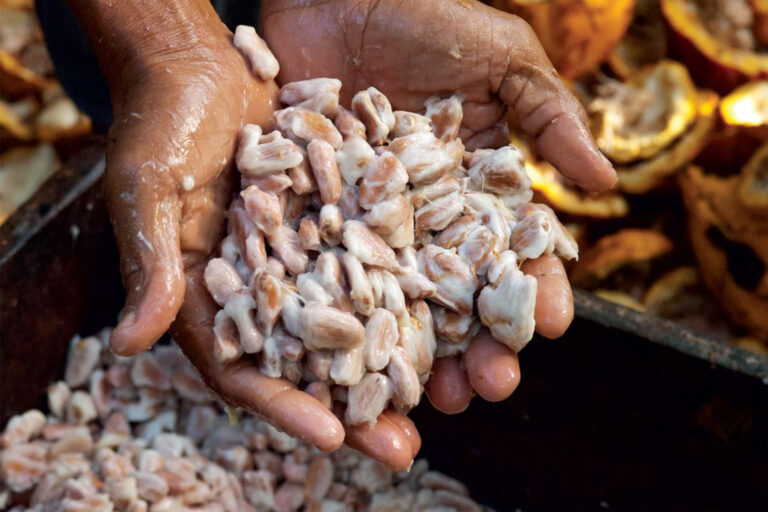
{"type": "Point", "coordinates": [168, 185]}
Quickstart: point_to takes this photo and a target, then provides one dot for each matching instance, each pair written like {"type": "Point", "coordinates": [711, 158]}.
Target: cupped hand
{"type": "Point", "coordinates": [168, 185]}
{"type": "Point", "coordinates": [490, 368]}
{"type": "Point", "coordinates": [414, 49]}
{"type": "Point", "coordinates": [167, 181]}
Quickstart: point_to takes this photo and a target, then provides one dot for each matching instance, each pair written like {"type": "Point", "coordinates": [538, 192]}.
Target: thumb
{"type": "Point", "coordinates": [145, 212]}
{"type": "Point", "coordinates": [547, 111]}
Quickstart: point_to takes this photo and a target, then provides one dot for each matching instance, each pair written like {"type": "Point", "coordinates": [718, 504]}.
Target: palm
{"type": "Point", "coordinates": [414, 49]}
{"type": "Point", "coordinates": [173, 138]}
{"type": "Point", "coordinates": [173, 142]}
{"type": "Point", "coordinates": [410, 58]}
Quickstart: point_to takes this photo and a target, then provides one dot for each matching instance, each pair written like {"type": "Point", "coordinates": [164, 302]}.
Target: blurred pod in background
{"type": "Point", "coordinates": [741, 127]}
{"type": "Point", "coordinates": [723, 42]}
{"type": "Point", "coordinates": [728, 227]}
{"type": "Point", "coordinates": [577, 34]}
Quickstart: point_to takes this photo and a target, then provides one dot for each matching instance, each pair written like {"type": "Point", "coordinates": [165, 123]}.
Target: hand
{"type": "Point", "coordinates": [168, 185]}
{"type": "Point", "coordinates": [414, 49]}
{"type": "Point", "coordinates": [167, 233]}
{"type": "Point", "coordinates": [178, 109]}
{"type": "Point", "coordinates": [490, 368]}
{"type": "Point", "coordinates": [393, 441]}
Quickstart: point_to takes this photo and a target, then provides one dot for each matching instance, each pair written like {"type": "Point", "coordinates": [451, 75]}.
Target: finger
{"type": "Point", "coordinates": [320, 391]}
{"type": "Point", "coordinates": [479, 116]}
{"type": "Point", "coordinates": [547, 111]}
{"type": "Point", "coordinates": [448, 388]}
{"type": "Point", "coordinates": [280, 403]}
{"type": "Point", "coordinates": [554, 298]}
{"type": "Point", "coordinates": [385, 441]}
{"type": "Point", "coordinates": [145, 213]}
{"type": "Point", "coordinates": [493, 137]}
{"type": "Point", "coordinates": [241, 384]}
{"type": "Point", "coordinates": [492, 368]}
{"type": "Point", "coordinates": [407, 427]}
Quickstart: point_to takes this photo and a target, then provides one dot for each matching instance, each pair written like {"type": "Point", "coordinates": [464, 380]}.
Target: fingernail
{"type": "Point", "coordinates": [605, 159]}
{"type": "Point", "coordinates": [118, 343]}
{"type": "Point", "coordinates": [127, 320]}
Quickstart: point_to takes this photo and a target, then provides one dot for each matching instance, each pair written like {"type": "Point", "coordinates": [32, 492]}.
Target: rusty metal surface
{"type": "Point", "coordinates": [72, 182]}
{"type": "Point", "coordinates": [51, 261]}
{"type": "Point", "coordinates": [670, 334]}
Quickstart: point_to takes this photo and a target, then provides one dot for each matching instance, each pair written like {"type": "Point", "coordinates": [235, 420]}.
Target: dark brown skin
{"type": "Point", "coordinates": [408, 50]}
{"type": "Point", "coordinates": [407, 427]}
{"type": "Point", "coordinates": [385, 442]}
{"type": "Point", "coordinates": [181, 92]}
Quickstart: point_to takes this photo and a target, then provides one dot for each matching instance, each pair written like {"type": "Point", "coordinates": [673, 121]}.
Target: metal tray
{"type": "Point", "coordinates": [627, 411]}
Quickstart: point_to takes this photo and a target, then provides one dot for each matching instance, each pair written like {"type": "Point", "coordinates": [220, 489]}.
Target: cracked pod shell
{"type": "Point", "coordinates": [576, 34]}
{"type": "Point", "coordinates": [712, 63]}
{"type": "Point", "coordinates": [644, 43]}
{"type": "Point", "coordinates": [741, 128]}
{"type": "Point", "coordinates": [753, 186]}
{"type": "Point", "coordinates": [644, 176]}
{"type": "Point", "coordinates": [636, 119]}
{"type": "Point", "coordinates": [730, 242]}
